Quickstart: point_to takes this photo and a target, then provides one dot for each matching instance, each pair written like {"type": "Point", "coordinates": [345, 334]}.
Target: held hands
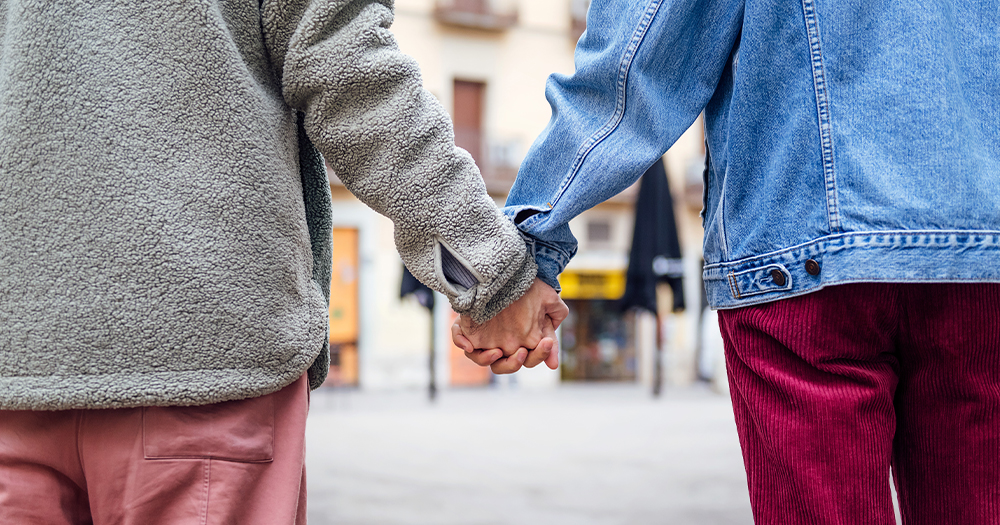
{"type": "Point", "coordinates": [523, 334]}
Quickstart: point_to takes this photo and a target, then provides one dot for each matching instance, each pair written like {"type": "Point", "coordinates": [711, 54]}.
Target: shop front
{"type": "Point", "coordinates": [598, 339]}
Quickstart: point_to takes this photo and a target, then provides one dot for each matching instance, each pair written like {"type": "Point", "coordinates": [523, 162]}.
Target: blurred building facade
{"type": "Point", "coordinates": [487, 62]}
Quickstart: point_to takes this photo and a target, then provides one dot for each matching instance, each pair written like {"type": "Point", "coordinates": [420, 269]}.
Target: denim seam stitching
{"type": "Point", "coordinates": [638, 35]}
{"type": "Point", "coordinates": [758, 268]}
{"type": "Point", "coordinates": [811, 289]}
{"type": "Point", "coordinates": [735, 290]}
{"type": "Point", "coordinates": [723, 238]}
{"type": "Point", "coordinates": [823, 113]}
{"type": "Point", "coordinates": [734, 283]}
{"type": "Point", "coordinates": [830, 239]}
{"type": "Point", "coordinates": [540, 246]}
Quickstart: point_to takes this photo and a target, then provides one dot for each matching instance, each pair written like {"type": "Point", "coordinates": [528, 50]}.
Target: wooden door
{"type": "Point", "coordinates": [463, 371]}
{"type": "Point", "coordinates": [468, 101]}
{"type": "Point", "coordinates": [344, 326]}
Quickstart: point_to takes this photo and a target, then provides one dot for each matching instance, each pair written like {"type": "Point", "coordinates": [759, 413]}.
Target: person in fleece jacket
{"type": "Point", "coordinates": [165, 243]}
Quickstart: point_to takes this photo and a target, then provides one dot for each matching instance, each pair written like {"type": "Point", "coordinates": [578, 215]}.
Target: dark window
{"type": "Point", "coordinates": [599, 232]}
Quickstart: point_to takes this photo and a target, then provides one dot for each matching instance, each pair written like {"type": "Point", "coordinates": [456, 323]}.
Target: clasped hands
{"type": "Point", "coordinates": [523, 334]}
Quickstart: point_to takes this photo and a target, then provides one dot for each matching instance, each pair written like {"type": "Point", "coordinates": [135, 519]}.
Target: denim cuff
{"type": "Point", "coordinates": [550, 260]}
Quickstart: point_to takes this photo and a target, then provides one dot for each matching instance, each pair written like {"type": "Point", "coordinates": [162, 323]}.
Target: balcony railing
{"type": "Point", "coordinates": [497, 161]}
{"type": "Point", "coordinates": [488, 15]}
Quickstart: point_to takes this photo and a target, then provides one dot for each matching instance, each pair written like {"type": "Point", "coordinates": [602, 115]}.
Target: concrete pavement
{"type": "Point", "coordinates": [594, 454]}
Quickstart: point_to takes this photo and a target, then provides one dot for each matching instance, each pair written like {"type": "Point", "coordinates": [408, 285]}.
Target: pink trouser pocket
{"type": "Point", "coordinates": [240, 431]}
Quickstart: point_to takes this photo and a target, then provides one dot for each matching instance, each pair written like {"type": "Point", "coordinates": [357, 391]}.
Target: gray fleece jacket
{"type": "Point", "coordinates": [165, 215]}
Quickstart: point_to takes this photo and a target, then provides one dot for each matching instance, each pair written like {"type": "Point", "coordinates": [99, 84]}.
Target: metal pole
{"type": "Point", "coordinates": [658, 358]}
{"type": "Point", "coordinates": [432, 386]}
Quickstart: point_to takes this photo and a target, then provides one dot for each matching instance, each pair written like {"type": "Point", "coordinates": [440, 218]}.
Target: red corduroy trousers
{"type": "Point", "coordinates": [832, 388]}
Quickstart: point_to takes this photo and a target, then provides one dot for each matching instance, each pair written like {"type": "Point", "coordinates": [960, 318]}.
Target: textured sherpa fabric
{"type": "Point", "coordinates": [164, 225]}
{"type": "Point", "coordinates": [319, 218]}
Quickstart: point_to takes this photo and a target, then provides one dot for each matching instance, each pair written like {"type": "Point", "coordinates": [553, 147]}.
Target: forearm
{"type": "Point", "coordinates": [392, 144]}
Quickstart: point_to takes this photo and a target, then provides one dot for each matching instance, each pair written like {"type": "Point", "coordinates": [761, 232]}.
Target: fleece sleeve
{"type": "Point", "coordinates": [392, 144]}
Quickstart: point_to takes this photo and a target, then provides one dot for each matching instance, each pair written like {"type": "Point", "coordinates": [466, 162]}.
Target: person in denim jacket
{"type": "Point", "coordinates": [852, 231]}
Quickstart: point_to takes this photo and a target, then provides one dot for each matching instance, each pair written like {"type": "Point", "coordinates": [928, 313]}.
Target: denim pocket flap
{"type": "Point", "coordinates": [764, 279]}
{"type": "Point", "coordinates": [240, 430]}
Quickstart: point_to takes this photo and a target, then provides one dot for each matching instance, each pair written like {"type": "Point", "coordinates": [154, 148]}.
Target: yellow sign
{"type": "Point", "coordinates": [592, 284]}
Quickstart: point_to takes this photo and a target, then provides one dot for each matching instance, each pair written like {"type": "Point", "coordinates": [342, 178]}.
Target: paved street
{"type": "Point", "coordinates": [598, 454]}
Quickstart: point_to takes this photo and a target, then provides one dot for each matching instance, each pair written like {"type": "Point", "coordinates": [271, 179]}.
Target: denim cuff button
{"type": "Point", "coordinates": [779, 278]}
{"type": "Point", "coordinates": [812, 267]}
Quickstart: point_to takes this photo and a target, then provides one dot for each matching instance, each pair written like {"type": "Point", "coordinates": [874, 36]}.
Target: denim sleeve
{"type": "Point", "coordinates": [645, 69]}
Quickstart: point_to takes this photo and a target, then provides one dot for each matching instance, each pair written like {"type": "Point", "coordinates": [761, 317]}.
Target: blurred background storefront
{"type": "Point", "coordinates": [598, 340]}
{"type": "Point", "coordinates": [487, 62]}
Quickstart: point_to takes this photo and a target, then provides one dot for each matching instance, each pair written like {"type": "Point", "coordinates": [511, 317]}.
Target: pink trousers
{"type": "Point", "coordinates": [238, 462]}
{"type": "Point", "coordinates": [832, 388]}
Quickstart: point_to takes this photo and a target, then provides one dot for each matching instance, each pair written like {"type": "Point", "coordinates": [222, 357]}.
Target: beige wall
{"type": "Point", "coordinates": [394, 336]}
{"type": "Point", "coordinates": [515, 65]}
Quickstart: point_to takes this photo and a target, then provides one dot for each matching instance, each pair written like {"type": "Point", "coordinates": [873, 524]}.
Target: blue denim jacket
{"type": "Point", "coordinates": [850, 141]}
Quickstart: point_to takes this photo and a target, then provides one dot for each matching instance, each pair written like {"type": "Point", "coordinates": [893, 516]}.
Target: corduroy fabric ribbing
{"type": "Point", "coordinates": [832, 388]}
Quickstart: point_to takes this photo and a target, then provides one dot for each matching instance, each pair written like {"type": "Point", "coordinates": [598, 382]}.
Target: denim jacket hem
{"type": "Point", "coordinates": [874, 256]}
